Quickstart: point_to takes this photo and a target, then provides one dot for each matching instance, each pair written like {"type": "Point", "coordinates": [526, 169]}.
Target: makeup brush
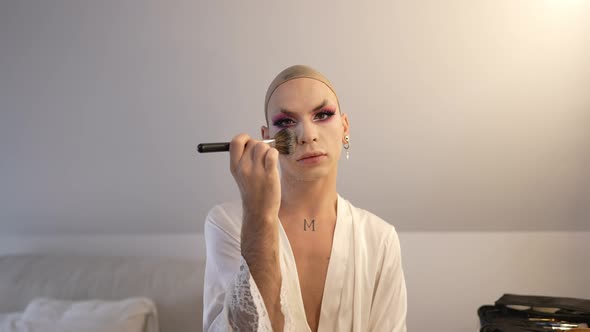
{"type": "Point", "coordinates": [284, 141]}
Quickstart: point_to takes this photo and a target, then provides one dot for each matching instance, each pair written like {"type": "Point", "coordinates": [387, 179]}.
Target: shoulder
{"type": "Point", "coordinates": [372, 228]}
{"type": "Point", "coordinates": [225, 217]}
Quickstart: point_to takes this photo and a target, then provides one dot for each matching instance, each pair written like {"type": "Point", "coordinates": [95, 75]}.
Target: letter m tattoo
{"type": "Point", "coordinates": [310, 225]}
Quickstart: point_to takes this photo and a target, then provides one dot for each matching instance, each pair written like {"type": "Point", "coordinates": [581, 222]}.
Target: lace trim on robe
{"type": "Point", "coordinates": [289, 326]}
{"type": "Point", "coordinates": [247, 311]}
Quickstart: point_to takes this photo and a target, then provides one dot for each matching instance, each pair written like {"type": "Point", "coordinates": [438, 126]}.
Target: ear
{"type": "Point", "coordinates": [264, 132]}
{"type": "Point", "coordinates": [345, 124]}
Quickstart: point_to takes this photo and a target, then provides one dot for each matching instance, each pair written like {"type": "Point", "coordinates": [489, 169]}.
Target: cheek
{"type": "Point", "coordinates": [334, 132]}
{"type": "Point", "coordinates": [335, 125]}
{"type": "Point", "coordinates": [272, 131]}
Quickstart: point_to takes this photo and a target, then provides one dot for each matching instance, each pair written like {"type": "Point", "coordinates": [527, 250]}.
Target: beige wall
{"type": "Point", "coordinates": [465, 115]}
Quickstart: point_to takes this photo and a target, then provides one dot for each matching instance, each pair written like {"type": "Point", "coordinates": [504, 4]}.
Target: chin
{"type": "Point", "coordinates": [305, 174]}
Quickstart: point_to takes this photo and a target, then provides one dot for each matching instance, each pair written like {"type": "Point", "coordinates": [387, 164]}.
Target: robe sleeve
{"type": "Point", "coordinates": [231, 299]}
{"type": "Point", "coordinates": [389, 306]}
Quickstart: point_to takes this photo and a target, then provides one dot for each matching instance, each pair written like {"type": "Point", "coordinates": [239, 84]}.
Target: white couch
{"type": "Point", "coordinates": [174, 284]}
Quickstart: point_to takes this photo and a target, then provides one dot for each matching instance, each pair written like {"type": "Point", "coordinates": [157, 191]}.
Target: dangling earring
{"type": "Point", "coordinates": [347, 146]}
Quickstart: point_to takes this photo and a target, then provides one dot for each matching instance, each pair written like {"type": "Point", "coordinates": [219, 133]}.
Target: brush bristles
{"type": "Point", "coordinates": [285, 141]}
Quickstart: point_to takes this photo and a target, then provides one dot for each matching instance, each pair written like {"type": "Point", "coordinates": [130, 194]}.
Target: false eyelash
{"type": "Point", "coordinates": [328, 113]}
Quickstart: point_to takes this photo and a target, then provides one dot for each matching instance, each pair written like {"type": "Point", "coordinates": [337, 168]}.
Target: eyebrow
{"type": "Point", "coordinates": [320, 106]}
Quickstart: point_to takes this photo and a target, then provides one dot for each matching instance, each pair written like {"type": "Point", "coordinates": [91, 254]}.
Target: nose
{"type": "Point", "coordinates": [307, 133]}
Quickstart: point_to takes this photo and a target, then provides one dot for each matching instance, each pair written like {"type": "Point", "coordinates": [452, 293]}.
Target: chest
{"type": "Point", "coordinates": [312, 250]}
{"type": "Point", "coordinates": [312, 260]}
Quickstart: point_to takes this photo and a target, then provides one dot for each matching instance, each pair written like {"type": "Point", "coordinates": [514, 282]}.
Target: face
{"type": "Point", "coordinates": [310, 109]}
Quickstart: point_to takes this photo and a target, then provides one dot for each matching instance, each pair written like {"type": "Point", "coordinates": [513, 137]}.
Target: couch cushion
{"type": "Point", "coordinates": [175, 285]}
{"type": "Point", "coordinates": [51, 315]}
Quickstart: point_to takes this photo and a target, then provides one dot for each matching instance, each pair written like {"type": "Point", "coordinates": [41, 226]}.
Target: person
{"type": "Point", "coordinates": [293, 255]}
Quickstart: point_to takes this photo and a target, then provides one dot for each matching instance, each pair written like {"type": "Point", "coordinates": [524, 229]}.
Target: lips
{"type": "Point", "coordinates": [310, 155]}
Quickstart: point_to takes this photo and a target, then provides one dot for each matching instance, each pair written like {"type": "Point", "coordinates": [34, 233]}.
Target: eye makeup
{"type": "Point", "coordinates": [324, 114]}
{"type": "Point", "coordinates": [283, 119]}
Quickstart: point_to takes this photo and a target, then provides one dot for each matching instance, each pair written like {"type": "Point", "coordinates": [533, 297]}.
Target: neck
{"type": "Point", "coordinates": [312, 198]}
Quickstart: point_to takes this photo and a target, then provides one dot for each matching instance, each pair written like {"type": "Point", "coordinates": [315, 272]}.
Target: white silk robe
{"type": "Point", "coordinates": [364, 290]}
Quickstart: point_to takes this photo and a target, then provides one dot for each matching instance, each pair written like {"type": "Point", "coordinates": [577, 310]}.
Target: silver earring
{"type": "Point", "coordinates": [347, 146]}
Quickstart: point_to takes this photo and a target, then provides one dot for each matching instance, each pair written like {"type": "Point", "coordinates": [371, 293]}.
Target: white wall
{"type": "Point", "coordinates": [449, 275]}
{"type": "Point", "coordinates": [465, 115]}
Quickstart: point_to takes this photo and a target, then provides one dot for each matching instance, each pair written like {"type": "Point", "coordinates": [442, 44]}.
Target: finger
{"type": "Point", "coordinates": [258, 153]}
{"type": "Point", "coordinates": [246, 164]}
{"type": "Point", "coordinates": [236, 150]}
{"type": "Point", "coordinates": [271, 159]}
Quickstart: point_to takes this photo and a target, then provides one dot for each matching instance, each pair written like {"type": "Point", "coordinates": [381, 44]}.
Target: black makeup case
{"type": "Point", "coordinates": [524, 313]}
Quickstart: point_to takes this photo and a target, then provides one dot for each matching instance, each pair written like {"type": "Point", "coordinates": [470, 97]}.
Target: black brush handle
{"type": "Point", "coordinates": [213, 147]}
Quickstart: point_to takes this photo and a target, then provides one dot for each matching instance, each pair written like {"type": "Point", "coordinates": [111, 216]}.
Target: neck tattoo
{"type": "Point", "coordinates": [310, 225]}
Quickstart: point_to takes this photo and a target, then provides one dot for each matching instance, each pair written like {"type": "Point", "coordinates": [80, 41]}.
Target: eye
{"type": "Point", "coordinates": [324, 115]}
{"type": "Point", "coordinates": [284, 122]}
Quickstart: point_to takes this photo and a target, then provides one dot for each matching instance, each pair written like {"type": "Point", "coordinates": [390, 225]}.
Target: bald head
{"type": "Point", "coordinates": [291, 73]}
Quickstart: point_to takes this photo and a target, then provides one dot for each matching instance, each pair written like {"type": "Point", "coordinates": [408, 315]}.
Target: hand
{"type": "Point", "coordinates": [253, 165]}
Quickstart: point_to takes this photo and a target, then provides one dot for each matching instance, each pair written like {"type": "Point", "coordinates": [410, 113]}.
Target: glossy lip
{"type": "Point", "coordinates": [310, 155]}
